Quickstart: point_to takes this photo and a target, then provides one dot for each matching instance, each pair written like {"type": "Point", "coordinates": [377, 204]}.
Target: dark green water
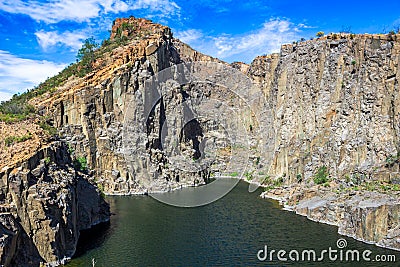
{"type": "Point", "coordinates": [228, 232]}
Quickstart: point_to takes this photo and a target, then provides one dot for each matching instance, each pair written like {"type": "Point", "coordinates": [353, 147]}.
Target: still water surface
{"type": "Point", "coordinates": [228, 232]}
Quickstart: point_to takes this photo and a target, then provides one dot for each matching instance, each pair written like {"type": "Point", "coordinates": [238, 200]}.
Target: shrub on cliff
{"type": "Point", "coordinates": [320, 34]}
{"type": "Point", "coordinates": [80, 163]}
{"type": "Point", "coordinates": [322, 175]}
{"type": "Point", "coordinates": [86, 56]}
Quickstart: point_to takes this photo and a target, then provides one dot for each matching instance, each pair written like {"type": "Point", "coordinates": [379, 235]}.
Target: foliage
{"type": "Point", "coordinates": [101, 189]}
{"type": "Point", "coordinates": [353, 62]}
{"type": "Point", "coordinates": [322, 175]}
{"type": "Point", "coordinates": [266, 180]}
{"type": "Point", "coordinates": [249, 176]}
{"type": "Point", "coordinates": [11, 118]}
{"type": "Point", "coordinates": [15, 109]}
{"type": "Point", "coordinates": [279, 181]}
{"type": "Point", "coordinates": [10, 140]}
{"type": "Point", "coordinates": [320, 34]}
{"type": "Point", "coordinates": [80, 163]}
{"type": "Point", "coordinates": [47, 127]}
{"type": "Point", "coordinates": [234, 174]}
{"type": "Point", "coordinates": [47, 160]}
{"type": "Point", "coordinates": [299, 178]}
{"type": "Point", "coordinates": [70, 149]}
{"type": "Point", "coordinates": [392, 159]}
{"type": "Point", "coordinates": [86, 56]}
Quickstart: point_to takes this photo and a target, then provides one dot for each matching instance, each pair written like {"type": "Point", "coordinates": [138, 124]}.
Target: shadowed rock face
{"type": "Point", "coordinates": [45, 203]}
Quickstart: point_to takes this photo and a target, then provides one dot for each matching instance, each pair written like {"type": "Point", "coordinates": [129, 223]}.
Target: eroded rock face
{"type": "Point", "coordinates": [331, 102]}
{"type": "Point", "coordinates": [45, 202]}
{"type": "Point", "coordinates": [334, 103]}
{"type": "Point", "coordinates": [363, 215]}
{"type": "Point", "coordinates": [91, 117]}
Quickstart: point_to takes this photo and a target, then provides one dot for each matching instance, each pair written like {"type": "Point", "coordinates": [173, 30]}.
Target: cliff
{"type": "Point", "coordinates": [317, 125]}
{"type": "Point", "coordinates": [335, 108]}
{"type": "Point", "coordinates": [45, 202]}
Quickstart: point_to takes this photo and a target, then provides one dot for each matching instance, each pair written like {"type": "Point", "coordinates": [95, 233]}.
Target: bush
{"type": "Point", "coordinates": [279, 181]}
{"type": "Point", "coordinates": [266, 180]}
{"type": "Point", "coordinates": [10, 140]}
{"type": "Point", "coordinates": [320, 34]}
{"type": "Point", "coordinates": [80, 163]}
{"type": "Point", "coordinates": [15, 109]}
{"type": "Point", "coordinates": [48, 128]}
{"type": "Point", "coordinates": [322, 175]}
{"type": "Point", "coordinates": [249, 176]}
{"type": "Point", "coordinates": [11, 118]}
{"type": "Point", "coordinates": [47, 160]}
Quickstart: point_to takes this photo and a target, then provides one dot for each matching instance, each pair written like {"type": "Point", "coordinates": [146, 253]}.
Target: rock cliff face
{"type": "Point", "coordinates": [329, 102]}
{"type": "Point", "coordinates": [90, 115]}
{"type": "Point", "coordinates": [44, 205]}
{"type": "Point", "coordinates": [335, 103]}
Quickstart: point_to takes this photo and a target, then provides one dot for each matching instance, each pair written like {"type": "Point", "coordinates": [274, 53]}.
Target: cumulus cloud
{"type": "Point", "coordinates": [54, 11]}
{"type": "Point", "coordinates": [189, 36]}
{"type": "Point", "coordinates": [268, 39]}
{"type": "Point", "coordinates": [245, 47]}
{"type": "Point", "coordinates": [18, 74]}
{"type": "Point", "coordinates": [67, 38]}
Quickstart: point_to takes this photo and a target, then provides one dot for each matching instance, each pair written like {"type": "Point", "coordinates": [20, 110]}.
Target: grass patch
{"type": "Point", "coordinates": [10, 140]}
{"type": "Point", "coordinates": [234, 174]}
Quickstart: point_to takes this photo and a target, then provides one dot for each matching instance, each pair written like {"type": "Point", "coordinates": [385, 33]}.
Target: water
{"type": "Point", "coordinates": [228, 232]}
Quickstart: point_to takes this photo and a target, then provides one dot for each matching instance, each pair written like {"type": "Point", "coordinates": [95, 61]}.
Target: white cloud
{"type": "Point", "coordinates": [18, 74]}
{"type": "Point", "coordinates": [245, 47]}
{"type": "Point", "coordinates": [5, 95]}
{"type": "Point", "coordinates": [67, 38]}
{"type": "Point", "coordinates": [166, 7]}
{"type": "Point", "coordinates": [189, 35]}
{"type": "Point", "coordinates": [83, 10]}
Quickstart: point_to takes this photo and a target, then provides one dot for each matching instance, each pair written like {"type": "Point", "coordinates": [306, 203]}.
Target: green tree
{"type": "Point", "coordinates": [86, 56]}
{"type": "Point", "coordinates": [320, 34]}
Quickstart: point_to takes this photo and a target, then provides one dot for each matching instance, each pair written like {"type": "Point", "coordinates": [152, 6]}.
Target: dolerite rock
{"type": "Point", "coordinates": [16, 248]}
{"type": "Point", "coordinates": [47, 203]}
{"type": "Point", "coordinates": [334, 102]}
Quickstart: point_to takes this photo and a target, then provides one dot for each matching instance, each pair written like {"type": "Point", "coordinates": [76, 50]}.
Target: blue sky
{"type": "Point", "coordinates": [41, 37]}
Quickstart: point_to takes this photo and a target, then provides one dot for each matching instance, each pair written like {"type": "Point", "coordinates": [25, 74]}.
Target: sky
{"type": "Point", "coordinates": [41, 37]}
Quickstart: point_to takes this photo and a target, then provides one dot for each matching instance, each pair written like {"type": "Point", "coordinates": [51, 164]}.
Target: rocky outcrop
{"type": "Point", "coordinates": [364, 215]}
{"type": "Point", "coordinates": [90, 113]}
{"type": "Point", "coordinates": [334, 103]}
{"type": "Point", "coordinates": [45, 202]}
{"type": "Point", "coordinates": [330, 102]}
